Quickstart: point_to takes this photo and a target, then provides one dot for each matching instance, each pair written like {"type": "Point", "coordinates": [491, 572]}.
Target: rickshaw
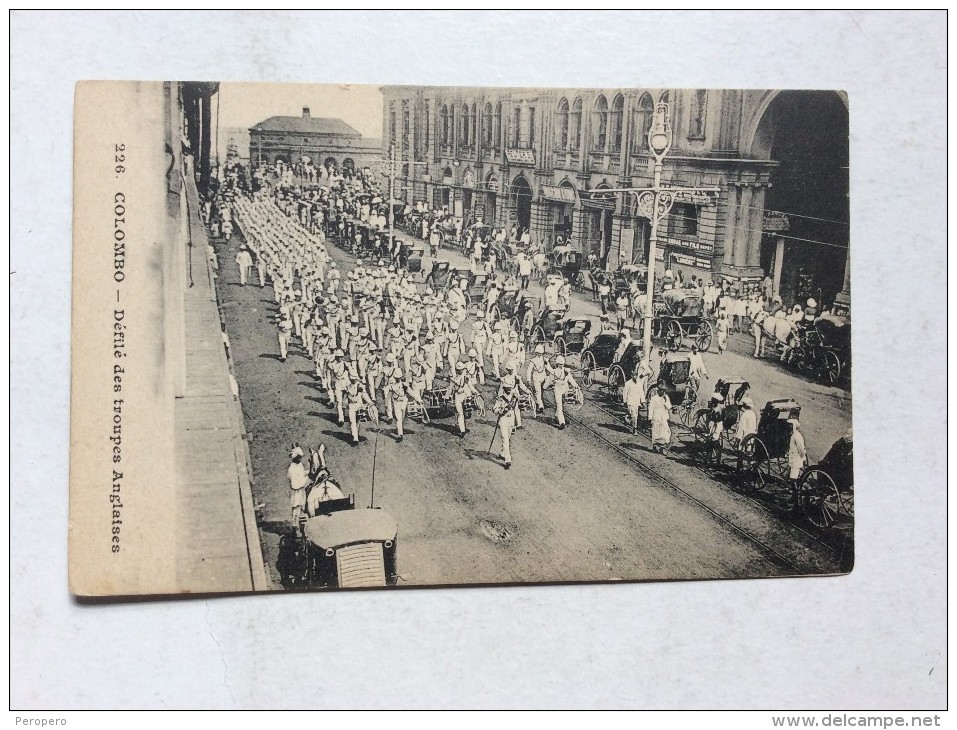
{"type": "Point", "coordinates": [763, 456]}
{"type": "Point", "coordinates": [518, 307]}
{"type": "Point", "coordinates": [674, 377]}
{"type": "Point", "coordinates": [680, 314]}
{"type": "Point", "coordinates": [476, 289]}
{"type": "Point", "coordinates": [732, 390]}
{"type": "Point", "coordinates": [548, 329]}
{"type": "Point", "coordinates": [341, 547]}
{"type": "Point", "coordinates": [599, 359]}
{"type": "Point", "coordinates": [573, 336]}
{"type": "Point", "coordinates": [411, 257]}
{"type": "Point", "coordinates": [827, 489]}
{"type": "Point", "coordinates": [458, 274]}
{"type": "Point", "coordinates": [438, 275]}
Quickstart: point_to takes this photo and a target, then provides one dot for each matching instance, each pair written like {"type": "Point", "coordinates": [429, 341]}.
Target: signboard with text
{"type": "Point", "coordinates": [516, 156]}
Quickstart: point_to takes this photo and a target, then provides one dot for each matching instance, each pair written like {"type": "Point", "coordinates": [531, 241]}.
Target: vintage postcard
{"type": "Point", "coordinates": [332, 336]}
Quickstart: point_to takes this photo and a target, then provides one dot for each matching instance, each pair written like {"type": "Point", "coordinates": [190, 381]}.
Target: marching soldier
{"type": "Point", "coordinates": [357, 399]}
{"type": "Point", "coordinates": [284, 322]}
{"type": "Point", "coordinates": [459, 390]}
{"type": "Point", "coordinates": [339, 380]}
{"type": "Point", "coordinates": [506, 405]}
{"type": "Point", "coordinates": [538, 371]}
{"type": "Point", "coordinates": [563, 382]}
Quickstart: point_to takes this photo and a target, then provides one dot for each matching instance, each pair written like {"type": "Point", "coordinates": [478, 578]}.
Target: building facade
{"type": "Point", "coordinates": [539, 158]}
{"type": "Point", "coordinates": [319, 140]}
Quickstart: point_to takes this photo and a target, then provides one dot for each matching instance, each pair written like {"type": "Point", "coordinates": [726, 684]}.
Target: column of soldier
{"type": "Point", "coordinates": [375, 337]}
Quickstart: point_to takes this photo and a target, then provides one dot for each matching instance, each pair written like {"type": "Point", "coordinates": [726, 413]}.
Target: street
{"type": "Point", "coordinates": [589, 503]}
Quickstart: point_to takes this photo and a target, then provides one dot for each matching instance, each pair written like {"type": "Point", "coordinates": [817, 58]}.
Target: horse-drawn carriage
{"type": "Point", "coordinates": [678, 315]}
{"type": "Point", "coordinates": [629, 278]}
{"type": "Point", "coordinates": [823, 349]}
{"type": "Point", "coordinates": [569, 263]}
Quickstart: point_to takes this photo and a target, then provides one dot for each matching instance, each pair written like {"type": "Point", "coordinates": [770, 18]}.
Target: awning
{"type": "Point", "coordinates": [560, 193]}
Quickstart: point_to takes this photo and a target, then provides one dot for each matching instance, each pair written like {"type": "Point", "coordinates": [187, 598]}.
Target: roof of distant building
{"type": "Point", "coordinates": [306, 125]}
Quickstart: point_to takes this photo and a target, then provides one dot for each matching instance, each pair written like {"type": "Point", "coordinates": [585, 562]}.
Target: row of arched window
{"type": "Point", "coordinates": [459, 124]}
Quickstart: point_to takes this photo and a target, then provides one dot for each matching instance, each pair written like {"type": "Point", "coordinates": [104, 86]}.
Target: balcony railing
{"type": "Point", "coordinates": [604, 161]}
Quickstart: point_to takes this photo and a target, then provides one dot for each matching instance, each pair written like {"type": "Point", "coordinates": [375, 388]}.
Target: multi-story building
{"type": "Point", "coordinates": [539, 158]}
{"type": "Point", "coordinates": [322, 140]}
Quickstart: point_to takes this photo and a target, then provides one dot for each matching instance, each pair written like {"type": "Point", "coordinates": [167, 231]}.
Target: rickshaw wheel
{"type": "Point", "coordinates": [616, 382]}
{"type": "Point", "coordinates": [588, 366]}
{"type": "Point", "coordinates": [479, 403]}
{"type": "Point", "coordinates": [673, 336]}
{"type": "Point", "coordinates": [820, 498]}
{"type": "Point", "coordinates": [700, 425]}
{"type": "Point", "coordinates": [830, 367]}
{"type": "Point", "coordinates": [754, 465]}
{"type": "Point", "coordinates": [704, 336]}
{"type": "Point", "coordinates": [559, 346]}
{"type": "Point", "coordinates": [576, 399]}
{"type": "Point", "coordinates": [493, 313]}
{"type": "Point", "coordinates": [538, 335]}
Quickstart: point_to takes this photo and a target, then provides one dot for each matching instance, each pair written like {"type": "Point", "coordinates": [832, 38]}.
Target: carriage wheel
{"type": "Point", "coordinates": [588, 366]}
{"type": "Point", "coordinates": [559, 346]}
{"type": "Point", "coordinates": [754, 464]}
{"type": "Point", "coordinates": [704, 336]}
{"type": "Point", "coordinates": [673, 336]}
{"type": "Point", "coordinates": [830, 367]}
{"type": "Point", "coordinates": [820, 498]}
{"type": "Point", "coordinates": [575, 399]}
{"type": "Point", "coordinates": [538, 335]}
{"type": "Point", "coordinates": [616, 382]}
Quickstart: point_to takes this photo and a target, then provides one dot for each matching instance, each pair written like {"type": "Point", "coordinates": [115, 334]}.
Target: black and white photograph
{"type": "Point", "coordinates": [421, 335]}
{"type": "Point", "coordinates": [479, 360]}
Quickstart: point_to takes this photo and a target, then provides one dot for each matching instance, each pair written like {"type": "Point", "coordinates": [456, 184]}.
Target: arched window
{"type": "Point", "coordinates": [473, 139]}
{"type": "Point", "coordinates": [445, 124]}
{"type": "Point", "coordinates": [617, 115]}
{"type": "Point", "coordinates": [498, 125]}
{"type": "Point", "coordinates": [487, 124]}
{"type": "Point", "coordinates": [665, 98]}
{"type": "Point", "coordinates": [575, 125]}
{"type": "Point", "coordinates": [601, 123]}
{"type": "Point", "coordinates": [643, 114]}
{"type": "Point", "coordinates": [699, 101]}
{"type": "Point", "coordinates": [563, 124]}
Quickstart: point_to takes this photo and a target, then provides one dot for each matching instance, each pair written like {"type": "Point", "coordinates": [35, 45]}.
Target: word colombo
{"type": "Point", "coordinates": [119, 355]}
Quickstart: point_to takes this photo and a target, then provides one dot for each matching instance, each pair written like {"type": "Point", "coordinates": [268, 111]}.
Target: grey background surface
{"type": "Point", "coordinates": [874, 639]}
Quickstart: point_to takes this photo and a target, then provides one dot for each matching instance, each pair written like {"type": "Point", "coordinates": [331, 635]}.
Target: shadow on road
{"type": "Point", "coordinates": [270, 356]}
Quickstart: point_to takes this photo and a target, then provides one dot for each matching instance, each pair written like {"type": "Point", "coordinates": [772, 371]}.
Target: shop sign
{"type": "Point", "coordinates": [516, 156]}
{"type": "Point", "coordinates": [698, 246]}
{"type": "Point", "coordinates": [562, 193]}
{"type": "Point", "coordinates": [659, 253]}
{"type": "Point", "coordinates": [775, 222]}
{"type": "Point", "coordinates": [685, 260]}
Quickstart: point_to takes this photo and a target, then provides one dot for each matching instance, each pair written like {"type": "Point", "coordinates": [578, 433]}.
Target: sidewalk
{"type": "Point", "coordinates": [216, 521]}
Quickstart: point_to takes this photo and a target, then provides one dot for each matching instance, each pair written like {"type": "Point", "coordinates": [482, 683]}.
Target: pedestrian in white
{"type": "Point", "coordinates": [659, 412]}
{"type": "Point", "coordinates": [245, 262]}
{"type": "Point", "coordinates": [797, 450]}
{"type": "Point", "coordinates": [722, 327]}
{"type": "Point", "coordinates": [633, 396]}
{"type": "Point", "coordinates": [298, 481]}
{"type": "Point", "coordinates": [505, 406]}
